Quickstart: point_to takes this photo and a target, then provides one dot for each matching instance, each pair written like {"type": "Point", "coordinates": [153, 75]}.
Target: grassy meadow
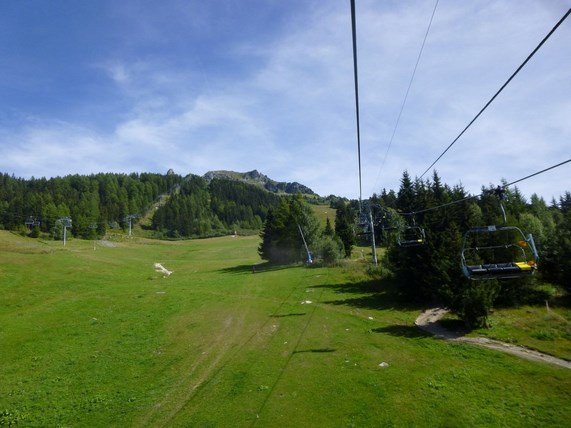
{"type": "Point", "coordinates": [324, 212]}
{"type": "Point", "coordinates": [546, 329]}
{"type": "Point", "coordinates": [98, 338]}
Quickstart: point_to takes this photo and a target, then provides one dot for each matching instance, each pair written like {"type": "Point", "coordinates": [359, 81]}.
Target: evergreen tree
{"type": "Point", "coordinates": [406, 197]}
{"type": "Point", "coordinates": [328, 231]}
{"type": "Point", "coordinates": [281, 238]}
{"type": "Point", "coordinates": [565, 203]}
{"type": "Point", "coordinates": [344, 226]}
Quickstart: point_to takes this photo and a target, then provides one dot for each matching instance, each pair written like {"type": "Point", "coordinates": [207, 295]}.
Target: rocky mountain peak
{"type": "Point", "coordinates": [257, 178]}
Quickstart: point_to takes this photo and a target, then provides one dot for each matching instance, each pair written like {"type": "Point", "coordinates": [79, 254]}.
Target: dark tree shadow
{"type": "Point", "coordinates": [561, 301]}
{"type": "Point", "coordinates": [458, 327]}
{"type": "Point", "coordinates": [255, 268]}
{"type": "Point", "coordinates": [316, 351]}
{"type": "Point", "coordinates": [288, 315]}
{"type": "Point", "coordinates": [410, 331]}
{"type": "Point", "coordinates": [379, 294]}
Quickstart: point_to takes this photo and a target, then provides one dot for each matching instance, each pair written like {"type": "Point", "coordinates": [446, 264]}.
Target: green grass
{"type": "Point", "coordinates": [323, 212]}
{"type": "Point", "coordinates": [546, 330]}
{"type": "Point", "coordinates": [97, 338]}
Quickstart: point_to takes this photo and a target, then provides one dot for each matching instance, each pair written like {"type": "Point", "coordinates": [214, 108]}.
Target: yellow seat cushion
{"type": "Point", "coordinates": [523, 265]}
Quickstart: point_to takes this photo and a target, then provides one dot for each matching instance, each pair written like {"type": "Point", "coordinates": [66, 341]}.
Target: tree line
{"type": "Point", "coordinates": [431, 272]}
{"type": "Point", "coordinates": [103, 200]}
{"type": "Point", "coordinates": [292, 225]}
{"type": "Point", "coordinates": [97, 202]}
{"type": "Point", "coordinates": [201, 209]}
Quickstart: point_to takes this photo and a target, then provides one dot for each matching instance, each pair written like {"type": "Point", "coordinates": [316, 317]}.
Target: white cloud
{"type": "Point", "coordinates": [45, 148]}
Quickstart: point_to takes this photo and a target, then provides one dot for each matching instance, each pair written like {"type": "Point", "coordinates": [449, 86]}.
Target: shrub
{"type": "Point", "coordinates": [331, 249]}
{"type": "Point", "coordinates": [475, 303]}
{"type": "Point", "coordinates": [35, 233]}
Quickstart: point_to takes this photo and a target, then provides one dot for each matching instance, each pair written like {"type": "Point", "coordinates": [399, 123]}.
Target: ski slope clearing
{"type": "Point", "coordinates": [97, 338]}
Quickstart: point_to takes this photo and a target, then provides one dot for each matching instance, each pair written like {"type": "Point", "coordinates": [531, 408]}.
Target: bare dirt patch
{"type": "Point", "coordinates": [105, 243]}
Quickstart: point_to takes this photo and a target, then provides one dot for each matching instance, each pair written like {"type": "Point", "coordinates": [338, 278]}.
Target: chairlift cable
{"type": "Point", "coordinates": [537, 173]}
{"type": "Point", "coordinates": [406, 94]}
{"type": "Point", "coordinates": [354, 33]}
{"type": "Point", "coordinates": [499, 91]}
{"type": "Point", "coordinates": [443, 205]}
{"type": "Point", "coordinates": [505, 186]}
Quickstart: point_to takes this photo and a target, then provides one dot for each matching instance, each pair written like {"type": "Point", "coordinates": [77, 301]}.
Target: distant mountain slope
{"type": "Point", "coordinates": [219, 207]}
{"type": "Point", "coordinates": [259, 179]}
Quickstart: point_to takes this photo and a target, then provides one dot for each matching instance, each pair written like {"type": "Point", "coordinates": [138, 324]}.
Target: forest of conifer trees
{"type": "Point", "coordinates": [101, 199]}
{"type": "Point", "coordinates": [431, 272]}
{"type": "Point", "coordinates": [200, 209]}
{"type": "Point", "coordinates": [95, 203]}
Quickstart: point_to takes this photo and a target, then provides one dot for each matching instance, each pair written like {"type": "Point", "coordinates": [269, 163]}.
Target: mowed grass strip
{"type": "Point", "coordinates": [97, 338]}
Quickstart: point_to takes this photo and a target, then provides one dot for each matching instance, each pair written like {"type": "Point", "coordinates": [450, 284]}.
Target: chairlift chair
{"type": "Point", "coordinates": [515, 257]}
{"type": "Point", "coordinates": [364, 224]}
{"type": "Point", "coordinates": [412, 236]}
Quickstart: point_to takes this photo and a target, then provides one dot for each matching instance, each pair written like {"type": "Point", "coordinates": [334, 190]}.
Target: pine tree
{"type": "Point", "coordinates": [281, 238]}
{"type": "Point", "coordinates": [405, 197]}
{"type": "Point", "coordinates": [328, 231]}
{"type": "Point", "coordinates": [344, 227]}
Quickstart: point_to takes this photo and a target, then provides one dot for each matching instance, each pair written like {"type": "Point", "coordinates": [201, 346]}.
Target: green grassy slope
{"type": "Point", "coordinates": [97, 338]}
{"type": "Point", "coordinates": [323, 212]}
{"type": "Point", "coordinates": [538, 327]}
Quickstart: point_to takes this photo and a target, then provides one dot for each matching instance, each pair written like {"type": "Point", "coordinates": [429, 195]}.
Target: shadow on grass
{"type": "Point", "coordinates": [410, 331]}
{"type": "Point", "coordinates": [256, 268]}
{"type": "Point", "coordinates": [288, 315]}
{"type": "Point", "coordinates": [316, 351]}
{"type": "Point", "coordinates": [457, 327]}
{"type": "Point", "coordinates": [381, 294]}
{"type": "Point", "coordinates": [562, 301]}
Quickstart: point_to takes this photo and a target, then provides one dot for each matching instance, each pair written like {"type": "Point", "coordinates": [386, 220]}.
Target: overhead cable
{"type": "Point", "coordinates": [406, 93]}
{"type": "Point", "coordinates": [537, 173]}
{"type": "Point", "coordinates": [500, 90]}
{"type": "Point", "coordinates": [443, 205]}
{"type": "Point", "coordinates": [505, 186]}
{"type": "Point", "coordinates": [354, 32]}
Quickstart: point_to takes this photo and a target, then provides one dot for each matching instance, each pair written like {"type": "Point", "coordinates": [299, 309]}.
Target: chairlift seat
{"type": "Point", "coordinates": [526, 266]}
{"type": "Point", "coordinates": [411, 237]}
{"type": "Point", "coordinates": [411, 242]}
{"type": "Point", "coordinates": [501, 270]}
{"type": "Point", "coordinates": [514, 269]}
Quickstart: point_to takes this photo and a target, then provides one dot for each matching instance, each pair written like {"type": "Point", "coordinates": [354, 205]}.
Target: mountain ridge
{"type": "Point", "coordinates": [257, 178]}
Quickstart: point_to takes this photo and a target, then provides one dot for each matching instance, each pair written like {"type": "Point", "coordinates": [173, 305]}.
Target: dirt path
{"type": "Point", "coordinates": [428, 321]}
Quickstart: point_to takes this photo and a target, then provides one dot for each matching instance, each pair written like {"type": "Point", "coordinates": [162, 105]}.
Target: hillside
{"type": "Point", "coordinates": [200, 208]}
{"type": "Point", "coordinates": [216, 204]}
{"type": "Point", "coordinates": [98, 338]}
{"type": "Point", "coordinates": [259, 179]}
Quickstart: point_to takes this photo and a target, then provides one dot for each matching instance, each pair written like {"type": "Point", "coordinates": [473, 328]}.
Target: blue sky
{"type": "Point", "coordinates": [136, 86]}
